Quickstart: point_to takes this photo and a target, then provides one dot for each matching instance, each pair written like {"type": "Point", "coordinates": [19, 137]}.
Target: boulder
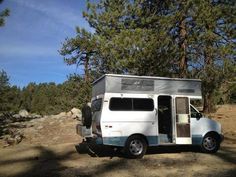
{"type": "Point", "coordinates": [76, 113]}
{"type": "Point", "coordinates": [62, 114]}
{"type": "Point", "coordinates": [69, 114]}
{"type": "Point", "coordinates": [17, 116]}
{"type": "Point", "coordinates": [58, 116]}
{"type": "Point", "coordinates": [15, 136]}
{"type": "Point", "coordinates": [14, 140]}
{"type": "Point", "coordinates": [23, 113]}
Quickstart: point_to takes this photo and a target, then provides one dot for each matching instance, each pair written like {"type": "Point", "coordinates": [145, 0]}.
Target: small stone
{"type": "Point", "coordinates": [40, 127]}
{"type": "Point", "coordinates": [35, 116]}
{"type": "Point", "coordinates": [51, 123]}
{"type": "Point", "coordinates": [17, 116]}
{"type": "Point", "coordinates": [55, 138]}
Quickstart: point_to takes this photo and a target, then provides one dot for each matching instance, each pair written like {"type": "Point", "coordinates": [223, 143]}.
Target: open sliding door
{"type": "Point", "coordinates": [183, 131]}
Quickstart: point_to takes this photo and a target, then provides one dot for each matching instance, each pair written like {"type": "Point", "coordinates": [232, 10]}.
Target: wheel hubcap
{"type": "Point", "coordinates": [209, 143]}
{"type": "Point", "coordinates": [136, 147]}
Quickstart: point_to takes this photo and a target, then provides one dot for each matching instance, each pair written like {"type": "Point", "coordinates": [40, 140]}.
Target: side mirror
{"type": "Point", "coordinates": [199, 115]}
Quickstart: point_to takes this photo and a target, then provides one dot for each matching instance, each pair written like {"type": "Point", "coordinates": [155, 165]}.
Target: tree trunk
{"type": "Point", "coordinates": [208, 106]}
{"type": "Point", "coordinates": [183, 44]}
{"type": "Point", "coordinates": [86, 70]}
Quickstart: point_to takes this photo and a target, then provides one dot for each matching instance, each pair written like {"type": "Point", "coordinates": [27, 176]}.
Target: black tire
{"type": "Point", "coordinates": [210, 143]}
{"type": "Point", "coordinates": [135, 147]}
{"type": "Point", "coordinates": [86, 116]}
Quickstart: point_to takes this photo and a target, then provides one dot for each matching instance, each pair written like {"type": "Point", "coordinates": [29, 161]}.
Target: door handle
{"type": "Point", "coordinates": [156, 111]}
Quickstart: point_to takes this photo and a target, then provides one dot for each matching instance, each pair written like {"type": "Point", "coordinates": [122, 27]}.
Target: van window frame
{"type": "Point", "coordinates": [132, 104]}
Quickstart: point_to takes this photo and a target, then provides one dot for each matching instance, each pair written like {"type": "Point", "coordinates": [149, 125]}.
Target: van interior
{"type": "Point", "coordinates": [165, 119]}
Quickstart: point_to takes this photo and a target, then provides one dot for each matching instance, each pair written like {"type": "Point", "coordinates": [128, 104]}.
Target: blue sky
{"type": "Point", "coordinates": [32, 36]}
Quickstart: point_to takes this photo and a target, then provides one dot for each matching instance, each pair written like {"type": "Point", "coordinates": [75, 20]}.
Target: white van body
{"type": "Point", "coordinates": [125, 105]}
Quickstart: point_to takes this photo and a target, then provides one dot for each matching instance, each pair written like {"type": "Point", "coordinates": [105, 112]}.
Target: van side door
{"type": "Point", "coordinates": [183, 128]}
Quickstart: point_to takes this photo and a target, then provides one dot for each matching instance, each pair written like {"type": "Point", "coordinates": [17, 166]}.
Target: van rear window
{"type": "Point", "coordinates": [143, 104]}
{"type": "Point", "coordinates": [96, 105]}
{"type": "Point", "coordinates": [131, 104]}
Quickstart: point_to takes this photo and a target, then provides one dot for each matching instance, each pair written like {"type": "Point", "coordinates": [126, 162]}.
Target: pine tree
{"type": "Point", "coordinates": [214, 46]}
{"type": "Point", "coordinates": [190, 38]}
{"type": "Point", "coordinates": [3, 15]}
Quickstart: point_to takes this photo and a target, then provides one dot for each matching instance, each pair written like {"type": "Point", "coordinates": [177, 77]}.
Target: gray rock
{"type": "Point", "coordinates": [35, 116]}
{"type": "Point", "coordinates": [17, 116]}
{"type": "Point", "coordinates": [23, 113]}
{"type": "Point", "coordinates": [14, 140]}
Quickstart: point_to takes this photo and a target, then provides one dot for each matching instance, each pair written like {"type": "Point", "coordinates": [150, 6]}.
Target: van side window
{"type": "Point", "coordinates": [143, 104]}
{"type": "Point", "coordinates": [96, 105]}
{"type": "Point", "coordinates": [120, 104]}
{"type": "Point", "coordinates": [131, 104]}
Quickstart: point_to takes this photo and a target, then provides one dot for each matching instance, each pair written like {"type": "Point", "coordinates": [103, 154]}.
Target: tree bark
{"type": "Point", "coordinates": [208, 106]}
{"type": "Point", "coordinates": [86, 70]}
{"type": "Point", "coordinates": [183, 44]}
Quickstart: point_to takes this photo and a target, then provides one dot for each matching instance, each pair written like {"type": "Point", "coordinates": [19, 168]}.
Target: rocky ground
{"type": "Point", "coordinates": [47, 147]}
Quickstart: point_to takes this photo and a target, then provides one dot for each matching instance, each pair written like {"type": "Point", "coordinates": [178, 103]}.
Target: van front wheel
{"type": "Point", "coordinates": [210, 143]}
{"type": "Point", "coordinates": [135, 147]}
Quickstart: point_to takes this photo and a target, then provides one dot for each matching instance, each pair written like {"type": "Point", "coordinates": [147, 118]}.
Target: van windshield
{"type": "Point", "coordinates": [194, 112]}
{"type": "Point", "coordinates": [96, 105]}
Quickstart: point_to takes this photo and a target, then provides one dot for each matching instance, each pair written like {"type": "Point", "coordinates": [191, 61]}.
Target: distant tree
{"type": "Point", "coordinates": [9, 96]}
{"type": "Point", "coordinates": [27, 96]}
{"type": "Point", "coordinates": [77, 90]}
{"type": "Point", "coordinates": [3, 15]}
{"type": "Point", "coordinates": [4, 79]}
{"type": "Point", "coordinates": [4, 87]}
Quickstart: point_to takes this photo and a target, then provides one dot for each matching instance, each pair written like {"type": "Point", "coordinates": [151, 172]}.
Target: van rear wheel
{"type": "Point", "coordinates": [135, 147]}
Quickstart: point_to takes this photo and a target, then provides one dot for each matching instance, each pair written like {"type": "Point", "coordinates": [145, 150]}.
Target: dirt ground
{"type": "Point", "coordinates": [49, 149]}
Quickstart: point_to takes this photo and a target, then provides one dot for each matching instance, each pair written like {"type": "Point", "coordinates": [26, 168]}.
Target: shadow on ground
{"type": "Point", "coordinates": [49, 163]}
{"type": "Point", "coordinates": [45, 164]}
{"type": "Point", "coordinates": [95, 150]}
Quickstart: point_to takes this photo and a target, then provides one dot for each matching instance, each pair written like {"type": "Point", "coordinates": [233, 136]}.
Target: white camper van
{"type": "Point", "coordinates": [135, 112]}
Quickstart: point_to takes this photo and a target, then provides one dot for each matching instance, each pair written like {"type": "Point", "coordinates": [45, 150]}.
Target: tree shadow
{"type": "Point", "coordinates": [227, 155]}
{"type": "Point", "coordinates": [47, 163]}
